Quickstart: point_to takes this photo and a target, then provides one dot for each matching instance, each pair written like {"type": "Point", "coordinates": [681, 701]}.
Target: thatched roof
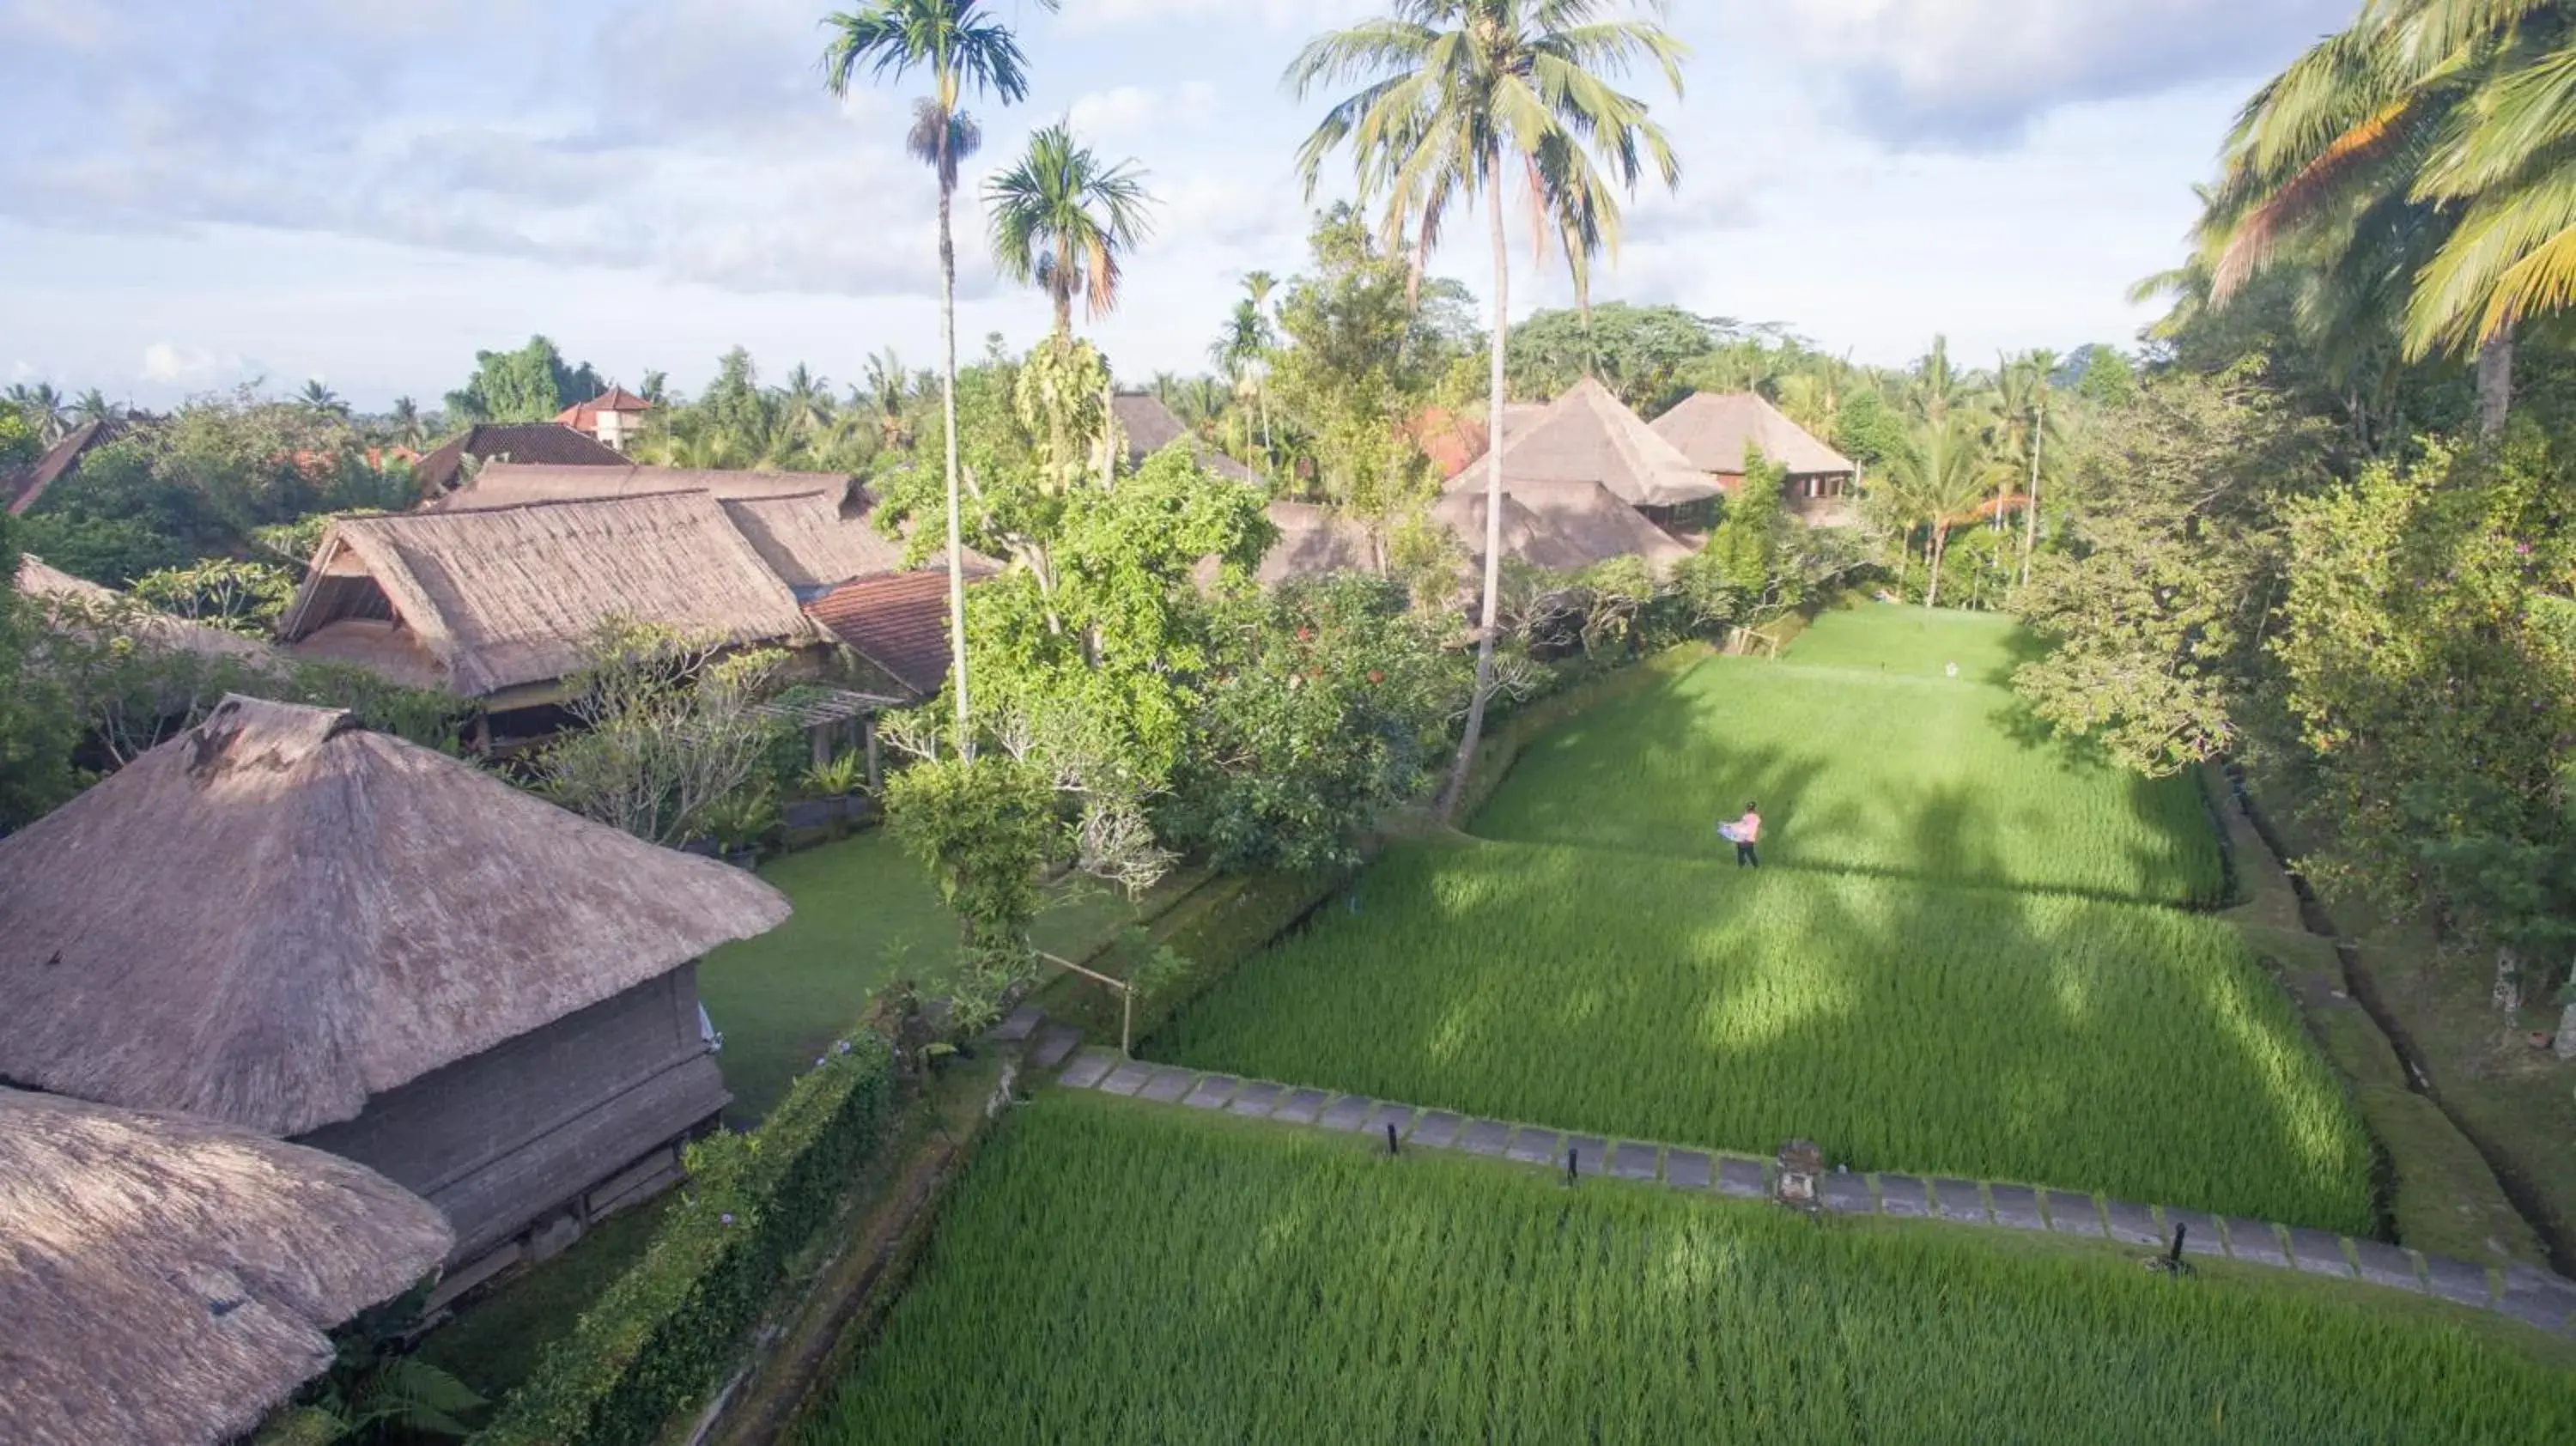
{"type": "Point", "coordinates": [276, 915]}
{"type": "Point", "coordinates": [1587, 435]}
{"type": "Point", "coordinates": [1149, 427]}
{"type": "Point", "coordinates": [513, 484]}
{"type": "Point", "coordinates": [1713, 431]}
{"type": "Point", "coordinates": [167, 1281]}
{"type": "Point", "coordinates": [810, 541]}
{"type": "Point", "coordinates": [1559, 526]}
{"type": "Point", "coordinates": [1315, 542]}
{"type": "Point", "coordinates": [23, 490]}
{"type": "Point", "coordinates": [545, 443]}
{"type": "Point", "coordinates": [79, 604]}
{"type": "Point", "coordinates": [489, 600]}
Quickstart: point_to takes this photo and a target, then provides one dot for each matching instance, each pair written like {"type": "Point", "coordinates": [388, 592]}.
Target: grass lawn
{"type": "Point", "coordinates": [1903, 772]}
{"type": "Point", "coordinates": [2043, 1037]}
{"type": "Point", "coordinates": [866, 915]}
{"type": "Point", "coordinates": [1155, 1275]}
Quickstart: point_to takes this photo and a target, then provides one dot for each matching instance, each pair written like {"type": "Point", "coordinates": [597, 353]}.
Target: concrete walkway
{"type": "Point", "coordinates": [2531, 1296]}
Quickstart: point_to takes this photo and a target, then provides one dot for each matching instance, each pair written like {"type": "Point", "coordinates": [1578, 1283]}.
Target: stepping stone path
{"type": "Point", "coordinates": [2532, 1296]}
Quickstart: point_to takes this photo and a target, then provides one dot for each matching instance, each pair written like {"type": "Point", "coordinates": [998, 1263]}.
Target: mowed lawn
{"type": "Point", "coordinates": [2048, 1038]}
{"type": "Point", "coordinates": [1113, 1271]}
{"type": "Point", "coordinates": [867, 914]}
{"type": "Point", "coordinates": [1873, 761]}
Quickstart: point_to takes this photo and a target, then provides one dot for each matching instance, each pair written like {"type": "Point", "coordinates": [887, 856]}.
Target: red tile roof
{"type": "Point", "coordinates": [898, 621]}
{"type": "Point", "coordinates": [584, 416]}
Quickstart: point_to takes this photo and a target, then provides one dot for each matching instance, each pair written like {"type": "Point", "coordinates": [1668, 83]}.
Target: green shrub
{"type": "Point", "coordinates": [666, 1333]}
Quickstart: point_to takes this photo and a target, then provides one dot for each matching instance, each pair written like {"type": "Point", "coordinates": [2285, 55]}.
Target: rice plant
{"type": "Point", "coordinates": [1119, 1272]}
{"type": "Point", "coordinates": [2135, 1050]}
{"type": "Point", "coordinates": [1904, 772]}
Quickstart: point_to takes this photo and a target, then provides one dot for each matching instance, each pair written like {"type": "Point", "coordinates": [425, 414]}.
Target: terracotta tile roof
{"type": "Point", "coordinates": [549, 443]}
{"type": "Point", "coordinates": [898, 622]}
{"type": "Point", "coordinates": [585, 415]}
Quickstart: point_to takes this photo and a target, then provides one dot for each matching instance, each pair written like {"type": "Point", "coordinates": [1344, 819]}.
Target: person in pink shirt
{"type": "Point", "coordinates": [1744, 833]}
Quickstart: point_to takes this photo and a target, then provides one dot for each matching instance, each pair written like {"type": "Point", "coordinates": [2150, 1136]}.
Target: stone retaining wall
{"type": "Point", "coordinates": [2531, 1296]}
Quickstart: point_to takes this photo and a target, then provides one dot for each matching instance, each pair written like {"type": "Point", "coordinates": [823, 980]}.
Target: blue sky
{"type": "Point", "coordinates": [193, 192]}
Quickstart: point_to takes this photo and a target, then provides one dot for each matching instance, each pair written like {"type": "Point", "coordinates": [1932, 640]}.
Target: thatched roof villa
{"type": "Point", "coordinates": [1588, 435]}
{"type": "Point", "coordinates": [167, 1281]}
{"type": "Point", "coordinates": [1560, 526]}
{"type": "Point", "coordinates": [1149, 427]}
{"type": "Point", "coordinates": [285, 923]}
{"type": "Point", "coordinates": [498, 605]}
{"type": "Point", "coordinates": [1713, 432]}
{"type": "Point", "coordinates": [73, 602]}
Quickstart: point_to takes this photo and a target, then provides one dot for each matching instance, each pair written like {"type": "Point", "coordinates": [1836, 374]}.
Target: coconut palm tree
{"type": "Point", "coordinates": [2029, 430]}
{"type": "Point", "coordinates": [93, 406]}
{"type": "Point", "coordinates": [1064, 220]}
{"type": "Point", "coordinates": [1461, 99]}
{"type": "Point", "coordinates": [44, 409]}
{"type": "Point", "coordinates": [1936, 483]}
{"type": "Point", "coordinates": [805, 402]}
{"type": "Point", "coordinates": [318, 398]}
{"type": "Point", "coordinates": [962, 48]}
{"type": "Point", "coordinates": [409, 428]}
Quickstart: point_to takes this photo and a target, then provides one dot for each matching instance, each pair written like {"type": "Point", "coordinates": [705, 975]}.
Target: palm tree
{"type": "Point", "coordinates": [43, 408]}
{"type": "Point", "coordinates": [805, 402]}
{"type": "Point", "coordinates": [1937, 481]}
{"type": "Point", "coordinates": [885, 393]}
{"type": "Point", "coordinates": [93, 406]}
{"type": "Point", "coordinates": [1460, 98]}
{"type": "Point", "coordinates": [2415, 165]}
{"type": "Point", "coordinates": [2022, 397]}
{"type": "Point", "coordinates": [1062, 219]}
{"type": "Point", "coordinates": [409, 428]}
{"type": "Point", "coordinates": [961, 48]}
{"type": "Point", "coordinates": [319, 399]}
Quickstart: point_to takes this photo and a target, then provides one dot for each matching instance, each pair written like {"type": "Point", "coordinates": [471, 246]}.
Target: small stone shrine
{"type": "Point", "coordinates": [1801, 1165]}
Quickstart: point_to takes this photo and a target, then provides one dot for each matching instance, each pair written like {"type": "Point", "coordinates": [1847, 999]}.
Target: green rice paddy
{"type": "Point", "coordinates": [2044, 1037]}
{"type": "Point", "coordinates": [1863, 765]}
{"type": "Point", "coordinates": [1113, 1271]}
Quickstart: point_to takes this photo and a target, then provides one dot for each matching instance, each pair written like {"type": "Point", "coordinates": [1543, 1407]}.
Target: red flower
{"type": "Point", "coordinates": [1377, 675]}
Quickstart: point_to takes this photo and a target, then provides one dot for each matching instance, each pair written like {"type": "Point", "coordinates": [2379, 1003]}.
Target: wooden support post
{"type": "Point", "coordinates": [819, 737]}
{"type": "Point", "coordinates": [868, 730]}
{"type": "Point", "coordinates": [482, 734]}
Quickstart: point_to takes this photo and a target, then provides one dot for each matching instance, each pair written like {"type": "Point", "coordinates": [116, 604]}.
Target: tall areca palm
{"type": "Point", "coordinates": [961, 48]}
{"type": "Point", "coordinates": [2023, 394]}
{"type": "Point", "coordinates": [1065, 220]}
{"type": "Point", "coordinates": [1461, 99]}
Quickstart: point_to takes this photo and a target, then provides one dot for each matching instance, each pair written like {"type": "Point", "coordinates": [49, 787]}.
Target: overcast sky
{"type": "Point", "coordinates": [368, 191]}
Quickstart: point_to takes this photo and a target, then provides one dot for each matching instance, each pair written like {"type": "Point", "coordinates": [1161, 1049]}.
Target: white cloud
{"type": "Point", "coordinates": [1086, 15]}
{"type": "Point", "coordinates": [170, 364]}
{"type": "Point", "coordinates": [1129, 113]}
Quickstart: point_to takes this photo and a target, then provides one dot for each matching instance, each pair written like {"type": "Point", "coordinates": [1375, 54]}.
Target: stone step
{"type": "Point", "coordinates": [1054, 1044]}
{"type": "Point", "coordinates": [1019, 1024]}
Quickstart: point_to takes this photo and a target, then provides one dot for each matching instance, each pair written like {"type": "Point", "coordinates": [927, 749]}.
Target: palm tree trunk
{"type": "Point", "coordinates": [2030, 504]}
{"type": "Point", "coordinates": [1475, 734]}
{"type": "Point", "coordinates": [1940, 544]}
{"type": "Point", "coordinates": [2495, 383]}
{"type": "Point", "coordinates": [965, 740]}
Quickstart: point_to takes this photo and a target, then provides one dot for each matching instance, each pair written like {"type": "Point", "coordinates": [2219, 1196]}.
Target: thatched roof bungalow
{"type": "Point", "coordinates": [1560, 526]}
{"type": "Point", "coordinates": [1589, 436]}
{"type": "Point", "coordinates": [512, 484]}
{"type": "Point", "coordinates": [285, 923]}
{"type": "Point", "coordinates": [167, 1281]}
{"type": "Point", "coordinates": [66, 601]}
{"type": "Point", "coordinates": [1149, 427]}
{"type": "Point", "coordinates": [1714, 431]}
{"type": "Point", "coordinates": [499, 605]}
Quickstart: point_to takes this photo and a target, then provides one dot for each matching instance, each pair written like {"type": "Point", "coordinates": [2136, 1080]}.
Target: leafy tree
{"type": "Point", "coordinates": [1064, 220]}
{"type": "Point", "coordinates": [984, 826]}
{"type": "Point", "coordinates": [37, 727]}
{"type": "Point", "coordinates": [1639, 352]}
{"type": "Point", "coordinates": [670, 731]}
{"type": "Point", "coordinates": [18, 444]}
{"type": "Point", "coordinates": [2156, 603]}
{"type": "Point", "coordinates": [43, 409]}
{"type": "Point", "coordinates": [961, 48]}
{"type": "Point", "coordinates": [2106, 378]}
{"type": "Point", "coordinates": [532, 384]}
{"type": "Point", "coordinates": [227, 593]}
{"type": "Point", "coordinates": [1326, 703]}
{"type": "Point", "coordinates": [1466, 97]}
{"type": "Point", "coordinates": [1867, 429]}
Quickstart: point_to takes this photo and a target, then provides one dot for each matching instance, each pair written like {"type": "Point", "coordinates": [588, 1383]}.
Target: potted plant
{"type": "Point", "coordinates": [841, 784]}
{"type": "Point", "coordinates": [739, 822]}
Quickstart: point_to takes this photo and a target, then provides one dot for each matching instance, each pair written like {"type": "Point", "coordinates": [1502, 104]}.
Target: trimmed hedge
{"type": "Point", "coordinates": [668, 1330]}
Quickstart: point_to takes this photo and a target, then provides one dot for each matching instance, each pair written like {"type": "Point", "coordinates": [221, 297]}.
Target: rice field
{"type": "Point", "coordinates": [2048, 1038]}
{"type": "Point", "coordinates": [1863, 760]}
{"type": "Point", "coordinates": [1118, 1272]}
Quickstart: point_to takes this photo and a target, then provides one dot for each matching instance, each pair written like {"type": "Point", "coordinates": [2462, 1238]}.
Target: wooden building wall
{"type": "Point", "coordinates": [523, 1131]}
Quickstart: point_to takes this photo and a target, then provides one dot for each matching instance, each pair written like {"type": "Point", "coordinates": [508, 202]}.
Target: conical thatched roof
{"type": "Point", "coordinates": [79, 604]}
{"type": "Point", "coordinates": [166, 1281]}
{"type": "Point", "coordinates": [1713, 431]}
{"type": "Point", "coordinates": [489, 600]}
{"type": "Point", "coordinates": [1562, 526]}
{"type": "Point", "coordinates": [1587, 435]}
{"type": "Point", "coordinates": [276, 915]}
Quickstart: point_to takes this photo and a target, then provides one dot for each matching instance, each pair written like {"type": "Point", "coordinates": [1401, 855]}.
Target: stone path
{"type": "Point", "coordinates": [2531, 1296]}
